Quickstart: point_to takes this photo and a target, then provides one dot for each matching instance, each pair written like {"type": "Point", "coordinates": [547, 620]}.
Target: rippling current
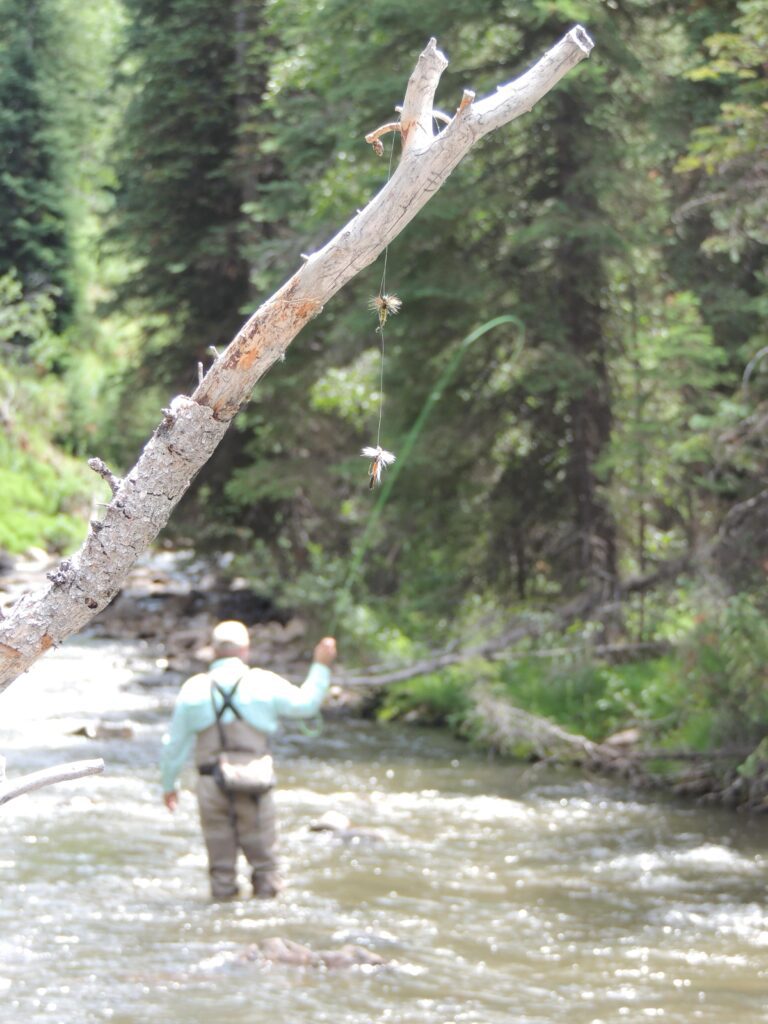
{"type": "Point", "coordinates": [498, 894]}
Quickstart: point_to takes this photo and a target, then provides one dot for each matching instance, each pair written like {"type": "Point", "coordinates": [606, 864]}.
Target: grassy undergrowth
{"type": "Point", "coordinates": [44, 497]}
{"type": "Point", "coordinates": [45, 493]}
{"type": "Point", "coordinates": [710, 693]}
{"type": "Point", "coordinates": [586, 697]}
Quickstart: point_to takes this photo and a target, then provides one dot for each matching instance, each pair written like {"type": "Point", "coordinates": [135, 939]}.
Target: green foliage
{"type": "Point", "coordinates": [53, 59]}
{"type": "Point", "coordinates": [43, 498]}
{"type": "Point", "coordinates": [666, 380]}
{"type": "Point", "coordinates": [588, 696]}
{"type": "Point", "coordinates": [44, 495]}
{"type": "Point", "coordinates": [725, 673]}
{"type": "Point", "coordinates": [33, 205]}
{"type": "Point", "coordinates": [589, 452]}
{"type": "Point", "coordinates": [582, 694]}
{"type": "Point", "coordinates": [755, 765]}
{"type": "Point", "coordinates": [442, 698]}
{"type": "Point", "coordinates": [185, 163]}
{"type": "Point", "coordinates": [351, 392]}
{"type": "Point", "coordinates": [732, 150]}
{"type": "Point", "coordinates": [24, 318]}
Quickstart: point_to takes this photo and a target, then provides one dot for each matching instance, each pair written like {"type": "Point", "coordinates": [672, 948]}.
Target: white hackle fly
{"type": "Point", "coordinates": [384, 306]}
{"type": "Point", "coordinates": [380, 459]}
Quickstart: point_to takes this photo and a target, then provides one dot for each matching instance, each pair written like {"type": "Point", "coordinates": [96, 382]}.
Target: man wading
{"type": "Point", "coordinates": [229, 713]}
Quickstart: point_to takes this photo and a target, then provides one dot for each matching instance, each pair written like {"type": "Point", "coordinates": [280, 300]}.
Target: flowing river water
{"type": "Point", "coordinates": [499, 894]}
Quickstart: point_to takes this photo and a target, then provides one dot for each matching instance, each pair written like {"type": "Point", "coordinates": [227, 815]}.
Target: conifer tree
{"type": "Point", "coordinates": [178, 211]}
{"type": "Point", "coordinates": [34, 230]}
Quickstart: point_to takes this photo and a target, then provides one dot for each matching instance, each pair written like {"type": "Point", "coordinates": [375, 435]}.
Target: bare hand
{"type": "Point", "coordinates": [171, 801]}
{"type": "Point", "coordinates": [325, 652]}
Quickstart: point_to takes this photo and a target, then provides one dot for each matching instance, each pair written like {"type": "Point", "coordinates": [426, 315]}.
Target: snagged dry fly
{"type": "Point", "coordinates": [380, 459]}
{"type": "Point", "coordinates": [385, 306]}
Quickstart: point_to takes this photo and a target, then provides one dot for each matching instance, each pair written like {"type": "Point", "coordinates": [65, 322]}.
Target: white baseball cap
{"type": "Point", "coordinates": [231, 632]}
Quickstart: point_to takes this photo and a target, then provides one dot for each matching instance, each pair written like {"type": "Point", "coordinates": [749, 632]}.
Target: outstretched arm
{"type": "Point", "coordinates": [304, 701]}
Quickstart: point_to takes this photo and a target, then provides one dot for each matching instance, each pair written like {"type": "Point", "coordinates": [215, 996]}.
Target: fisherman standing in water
{"type": "Point", "coordinates": [228, 715]}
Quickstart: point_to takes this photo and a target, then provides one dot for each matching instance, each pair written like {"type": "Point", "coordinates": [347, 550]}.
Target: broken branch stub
{"type": "Point", "coordinates": [193, 427]}
{"type": "Point", "coordinates": [416, 115]}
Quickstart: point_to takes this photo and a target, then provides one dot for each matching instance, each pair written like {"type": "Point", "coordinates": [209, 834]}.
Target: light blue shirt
{"type": "Point", "coordinates": [262, 698]}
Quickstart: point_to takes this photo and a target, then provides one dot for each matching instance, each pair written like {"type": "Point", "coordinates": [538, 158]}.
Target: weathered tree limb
{"type": "Point", "coordinates": [193, 427]}
{"type": "Point", "coordinates": [493, 650]}
{"type": "Point", "coordinates": [509, 729]}
{"type": "Point", "coordinates": [427, 161]}
{"type": "Point", "coordinates": [443, 659]}
{"type": "Point", "coordinates": [46, 777]}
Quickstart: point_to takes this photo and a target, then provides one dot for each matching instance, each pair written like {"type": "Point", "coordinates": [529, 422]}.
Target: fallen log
{"type": "Point", "coordinates": [510, 730]}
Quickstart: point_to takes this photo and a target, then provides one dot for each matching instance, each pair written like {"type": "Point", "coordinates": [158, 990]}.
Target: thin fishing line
{"type": "Point", "coordinates": [386, 250]}
{"type": "Point", "coordinates": [382, 292]}
{"type": "Point", "coordinates": [381, 388]}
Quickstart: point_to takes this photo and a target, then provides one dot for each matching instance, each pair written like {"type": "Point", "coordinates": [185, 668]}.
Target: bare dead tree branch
{"type": "Point", "coordinates": [193, 427]}
{"type": "Point", "coordinates": [495, 650]}
{"type": "Point", "coordinates": [46, 777]}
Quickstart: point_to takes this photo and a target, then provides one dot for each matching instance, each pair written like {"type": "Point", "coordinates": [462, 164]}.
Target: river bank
{"type": "Point", "coordinates": [171, 600]}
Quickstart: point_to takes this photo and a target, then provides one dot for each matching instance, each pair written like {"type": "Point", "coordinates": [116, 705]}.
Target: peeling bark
{"type": "Point", "coordinates": [193, 427]}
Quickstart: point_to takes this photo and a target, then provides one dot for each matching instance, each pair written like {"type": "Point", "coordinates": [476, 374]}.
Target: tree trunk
{"type": "Point", "coordinates": [582, 315]}
{"type": "Point", "coordinates": [192, 427]}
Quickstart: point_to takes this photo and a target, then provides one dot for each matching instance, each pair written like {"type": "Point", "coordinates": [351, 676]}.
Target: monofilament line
{"type": "Point", "coordinates": [383, 291]}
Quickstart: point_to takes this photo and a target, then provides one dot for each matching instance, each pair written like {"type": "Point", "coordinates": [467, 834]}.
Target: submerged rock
{"type": "Point", "coordinates": [341, 826]}
{"type": "Point", "coordinates": [286, 951]}
{"type": "Point", "coordinates": [331, 821]}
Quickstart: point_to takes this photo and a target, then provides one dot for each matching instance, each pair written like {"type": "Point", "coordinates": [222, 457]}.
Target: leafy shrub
{"type": "Point", "coordinates": [724, 669]}
{"type": "Point", "coordinates": [441, 698]}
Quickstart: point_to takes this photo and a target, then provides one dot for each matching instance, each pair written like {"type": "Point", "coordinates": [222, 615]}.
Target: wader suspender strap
{"type": "Point", "coordinates": [226, 702]}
